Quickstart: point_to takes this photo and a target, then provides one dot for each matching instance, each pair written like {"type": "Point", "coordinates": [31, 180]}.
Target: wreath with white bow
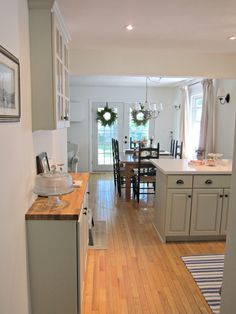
{"type": "Point", "coordinates": [106, 116]}
{"type": "Point", "coordinates": [140, 117]}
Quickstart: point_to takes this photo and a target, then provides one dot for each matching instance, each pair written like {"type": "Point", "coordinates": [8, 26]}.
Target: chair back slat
{"type": "Point", "coordinates": [172, 147]}
{"type": "Point", "coordinates": [149, 152]}
{"type": "Point", "coordinates": [179, 150]}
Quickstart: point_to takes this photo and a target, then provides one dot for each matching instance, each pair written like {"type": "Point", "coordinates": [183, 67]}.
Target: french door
{"type": "Point", "coordinates": [122, 130]}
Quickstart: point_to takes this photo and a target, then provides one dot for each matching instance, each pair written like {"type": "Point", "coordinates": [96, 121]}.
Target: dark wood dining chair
{"type": "Point", "coordinates": [114, 161]}
{"type": "Point", "coordinates": [145, 180]}
{"type": "Point", "coordinates": [179, 150]}
{"type": "Point", "coordinates": [172, 147]}
{"type": "Point", "coordinates": [118, 169]}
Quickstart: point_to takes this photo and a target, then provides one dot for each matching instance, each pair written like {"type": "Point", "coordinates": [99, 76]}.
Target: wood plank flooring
{"type": "Point", "coordinates": [138, 273]}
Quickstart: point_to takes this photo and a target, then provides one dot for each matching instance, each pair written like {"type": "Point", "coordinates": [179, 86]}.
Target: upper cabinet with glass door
{"type": "Point", "coordinates": [49, 66]}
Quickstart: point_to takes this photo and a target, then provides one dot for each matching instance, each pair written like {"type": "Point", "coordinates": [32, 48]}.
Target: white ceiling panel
{"type": "Point", "coordinates": [183, 25]}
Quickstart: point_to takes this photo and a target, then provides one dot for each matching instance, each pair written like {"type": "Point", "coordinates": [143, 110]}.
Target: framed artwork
{"type": "Point", "coordinates": [42, 163]}
{"type": "Point", "coordinates": [10, 110]}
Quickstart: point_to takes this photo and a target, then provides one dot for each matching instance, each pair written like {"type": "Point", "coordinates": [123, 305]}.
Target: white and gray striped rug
{"type": "Point", "coordinates": [207, 271]}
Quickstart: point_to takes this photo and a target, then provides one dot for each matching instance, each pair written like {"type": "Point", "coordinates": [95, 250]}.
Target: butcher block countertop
{"type": "Point", "coordinates": [69, 212]}
{"type": "Point", "coordinates": [181, 167]}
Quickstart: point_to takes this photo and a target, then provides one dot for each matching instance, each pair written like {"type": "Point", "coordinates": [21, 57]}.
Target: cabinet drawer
{"type": "Point", "coordinates": [211, 181]}
{"type": "Point", "coordinates": [175, 182]}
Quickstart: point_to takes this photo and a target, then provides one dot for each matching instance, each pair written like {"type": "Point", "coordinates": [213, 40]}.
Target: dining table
{"type": "Point", "coordinates": [129, 161]}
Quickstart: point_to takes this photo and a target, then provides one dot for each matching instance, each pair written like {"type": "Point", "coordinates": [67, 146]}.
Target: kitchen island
{"type": "Point", "coordinates": [191, 202]}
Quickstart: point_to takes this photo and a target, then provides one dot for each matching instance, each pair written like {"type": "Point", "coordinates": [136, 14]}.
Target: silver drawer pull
{"type": "Point", "coordinates": [208, 182]}
{"type": "Point", "coordinates": [179, 181]}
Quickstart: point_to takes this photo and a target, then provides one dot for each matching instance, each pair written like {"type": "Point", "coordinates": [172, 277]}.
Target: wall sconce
{"type": "Point", "coordinates": [222, 96]}
{"type": "Point", "coordinates": [177, 107]}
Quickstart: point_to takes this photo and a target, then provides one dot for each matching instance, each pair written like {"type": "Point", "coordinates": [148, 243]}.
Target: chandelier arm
{"type": "Point", "coordinates": [146, 90]}
{"type": "Point", "coordinates": [151, 110]}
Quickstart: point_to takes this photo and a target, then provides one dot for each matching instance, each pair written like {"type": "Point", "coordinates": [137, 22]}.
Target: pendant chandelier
{"type": "Point", "coordinates": [152, 109]}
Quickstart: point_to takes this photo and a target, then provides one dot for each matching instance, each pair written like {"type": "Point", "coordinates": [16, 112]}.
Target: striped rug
{"type": "Point", "coordinates": [207, 271]}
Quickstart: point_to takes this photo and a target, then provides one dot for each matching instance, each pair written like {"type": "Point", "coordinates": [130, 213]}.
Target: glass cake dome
{"type": "Point", "coordinates": [53, 184]}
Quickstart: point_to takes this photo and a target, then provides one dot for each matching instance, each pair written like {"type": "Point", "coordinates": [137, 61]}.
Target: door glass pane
{"type": "Point", "coordinates": [138, 132]}
{"type": "Point", "coordinates": [105, 134]}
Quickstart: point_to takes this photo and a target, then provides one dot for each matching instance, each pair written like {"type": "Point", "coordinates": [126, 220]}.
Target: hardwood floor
{"type": "Point", "coordinates": [137, 273]}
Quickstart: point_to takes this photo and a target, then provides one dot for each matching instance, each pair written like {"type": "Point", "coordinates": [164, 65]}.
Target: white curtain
{"type": "Point", "coordinates": [184, 112]}
{"type": "Point", "coordinates": [207, 132]}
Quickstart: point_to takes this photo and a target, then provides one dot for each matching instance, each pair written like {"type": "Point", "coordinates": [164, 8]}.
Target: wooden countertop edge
{"type": "Point", "coordinates": [52, 217]}
{"type": "Point", "coordinates": [71, 212]}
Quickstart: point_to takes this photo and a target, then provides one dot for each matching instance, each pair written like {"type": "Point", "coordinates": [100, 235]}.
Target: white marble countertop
{"type": "Point", "coordinates": [181, 166]}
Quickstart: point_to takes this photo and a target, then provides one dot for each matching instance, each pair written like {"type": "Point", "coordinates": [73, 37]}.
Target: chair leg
{"type": "Point", "coordinates": [119, 185]}
{"type": "Point", "coordinates": [138, 190]}
{"type": "Point", "coordinates": [134, 191]}
{"type": "Point", "coordinates": [115, 179]}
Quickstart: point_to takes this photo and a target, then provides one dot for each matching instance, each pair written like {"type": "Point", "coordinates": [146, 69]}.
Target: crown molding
{"type": "Point", "coordinates": [55, 9]}
{"type": "Point", "coordinates": [52, 6]}
{"type": "Point", "coordinates": [40, 4]}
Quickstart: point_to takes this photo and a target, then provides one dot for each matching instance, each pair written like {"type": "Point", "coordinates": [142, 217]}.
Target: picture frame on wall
{"type": "Point", "coordinates": [10, 107]}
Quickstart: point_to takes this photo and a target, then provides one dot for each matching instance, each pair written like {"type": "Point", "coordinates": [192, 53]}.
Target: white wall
{"type": "Point", "coordinates": [54, 143]}
{"type": "Point", "coordinates": [149, 62]}
{"type": "Point", "coordinates": [16, 167]}
{"type": "Point", "coordinates": [176, 116]}
{"type": "Point", "coordinates": [228, 302]}
{"type": "Point", "coordinates": [225, 118]}
{"type": "Point", "coordinates": [79, 131]}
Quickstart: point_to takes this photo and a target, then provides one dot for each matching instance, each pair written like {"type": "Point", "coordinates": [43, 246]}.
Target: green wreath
{"type": "Point", "coordinates": [140, 117]}
{"type": "Point", "coordinates": [107, 116]}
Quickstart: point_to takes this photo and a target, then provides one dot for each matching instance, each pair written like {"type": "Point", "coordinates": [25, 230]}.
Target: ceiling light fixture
{"type": "Point", "coordinates": [153, 110]}
{"type": "Point", "coordinates": [231, 37]}
{"type": "Point", "coordinates": [129, 27]}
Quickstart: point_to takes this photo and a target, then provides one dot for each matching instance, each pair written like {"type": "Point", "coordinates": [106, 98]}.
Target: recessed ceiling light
{"type": "Point", "coordinates": [129, 27]}
{"type": "Point", "coordinates": [232, 37]}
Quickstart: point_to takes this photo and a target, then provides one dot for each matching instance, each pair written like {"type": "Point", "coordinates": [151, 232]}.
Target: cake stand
{"type": "Point", "coordinates": [52, 185]}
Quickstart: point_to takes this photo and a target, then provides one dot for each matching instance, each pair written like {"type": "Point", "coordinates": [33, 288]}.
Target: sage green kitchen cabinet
{"type": "Point", "coordinates": [49, 56]}
{"type": "Point", "coordinates": [191, 207]}
{"type": "Point", "coordinates": [206, 211]}
{"type": "Point", "coordinates": [178, 211]}
{"type": "Point", "coordinates": [57, 243]}
{"type": "Point", "coordinates": [225, 212]}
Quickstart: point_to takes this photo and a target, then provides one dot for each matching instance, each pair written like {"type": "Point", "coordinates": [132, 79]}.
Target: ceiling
{"type": "Point", "coordinates": [104, 80]}
{"type": "Point", "coordinates": [180, 25]}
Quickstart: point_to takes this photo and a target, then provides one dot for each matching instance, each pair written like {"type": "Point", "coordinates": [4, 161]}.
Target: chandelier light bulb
{"type": "Point", "coordinates": [129, 27]}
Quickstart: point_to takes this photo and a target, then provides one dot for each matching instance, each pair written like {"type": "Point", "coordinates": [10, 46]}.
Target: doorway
{"type": "Point", "coordinates": [122, 129]}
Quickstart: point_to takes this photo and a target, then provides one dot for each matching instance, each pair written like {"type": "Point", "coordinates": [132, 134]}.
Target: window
{"type": "Point", "coordinates": [105, 134]}
{"type": "Point", "coordinates": [195, 114]}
